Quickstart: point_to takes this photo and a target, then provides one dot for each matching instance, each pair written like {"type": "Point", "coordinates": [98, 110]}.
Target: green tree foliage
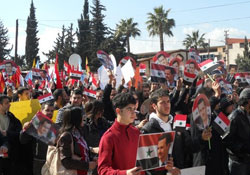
{"type": "Point", "coordinates": [246, 49]}
{"type": "Point", "coordinates": [99, 33]}
{"type": "Point", "coordinates": [84, 34]}
{"type": "Point", "coordinates": [31, 48]}
{"type": "Point", "coordinates": [4, 41]}
{"type": "Point", "coordinates": [243, 62]}
{"type": "Point", "coordinates": [195, 40]}
{"type": "Point", "coordinates": [64, 46]}
{"type": "Point", "coordinates": [116, 46]}
{"type": "Point", "coordinates": [20, 61]}
{"type": "Point", "coordinates": [158, 24]}
{"type": "Point", "coordinates": [127, 28]}
{"type": "Point", "coordinates": [98, 28]}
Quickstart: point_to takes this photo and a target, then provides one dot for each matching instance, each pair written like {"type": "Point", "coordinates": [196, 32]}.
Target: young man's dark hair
{"type": "Point", "coordinates": [122, 100]}
{"type": "Point", "coordinates": [157, 94]}
{"type": "Point", "coordinates": [145, 85]}
{"type": "Point", "coordinates": [36, 94]}
{"type": "Point", "coordinates": [166, 136]}
{"type": "Point", "coordinates": [57, 93]}
{"type": "Point", "coordinates": [21, 90]}
{"type": "Point", "coordinates": [77, 92]}
{"type": "Point", "coordinates": [49, 103]}
{"type": "Point", "coordinates": [2, 97]}
{"type": "Point", "coordinates": [172, 70]}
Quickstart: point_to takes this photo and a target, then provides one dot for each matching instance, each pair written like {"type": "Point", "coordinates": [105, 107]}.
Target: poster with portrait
{"type": "Point", "coordinates": [194, 54]}
{"type": "Point", "coordinates": [8, 66]}
{"type": "Point", "coordinates": [11, 73]}
{"type": "Point", "coordinates": [154, 150]}
{"type": "Point", "coordinates": [105, 60]}
{"type": "Point", "coordinates": [176, 64]}
{"type": "Point", "coordinates": [125, 59]}
{"type": "Point", "coordinates": [201, 111]}
{"type": "Point", "coordinates": [162, 57]}
{"type": "Point", "coordinates": [171, 76]}
{"type": "Point", "coordinates": [226, 87]}
{"type": "Point", "coordinates": [192, 67]}
{"type": "Point", "coordinates": [43, 129]}
{"type": "Point", "coordinates": [247, 77]}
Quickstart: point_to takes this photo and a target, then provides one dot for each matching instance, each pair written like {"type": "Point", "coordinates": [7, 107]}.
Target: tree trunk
{"type": "Point", "coordinates": [128, 45]}
{"type": "Point", "coordinates": [161, 39]}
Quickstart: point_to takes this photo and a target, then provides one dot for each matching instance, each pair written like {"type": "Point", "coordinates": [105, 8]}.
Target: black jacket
{"type": "Point", "coordinates": [13, 131]}
{"type": "Point", "coordinates": [109, 112]}
{"type": "Point", "coordinates": [93, 133]}
{"type": "Point", "coordinates": [39, 148]}
{"type": "Point", "coordinates": [238, 138]}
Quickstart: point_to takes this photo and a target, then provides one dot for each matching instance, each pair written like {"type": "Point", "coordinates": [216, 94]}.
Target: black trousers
{"type": "Point", "coordinates": [5, 166]}
{"type": "Point", "coordinates": [240, 168]}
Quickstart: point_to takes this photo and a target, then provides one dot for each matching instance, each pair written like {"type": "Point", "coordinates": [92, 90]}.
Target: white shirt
{"type": "Point", "coordinates": [166, 126]}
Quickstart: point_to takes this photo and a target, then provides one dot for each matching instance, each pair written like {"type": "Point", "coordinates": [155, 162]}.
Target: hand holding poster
{"type": "Point", "coordinates": [43, 129]}
{"type": "Point", "coordinates": [154, 150]}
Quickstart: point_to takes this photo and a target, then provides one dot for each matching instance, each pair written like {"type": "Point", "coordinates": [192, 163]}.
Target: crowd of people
{"type": "Point", "coordinates": [100, 135]}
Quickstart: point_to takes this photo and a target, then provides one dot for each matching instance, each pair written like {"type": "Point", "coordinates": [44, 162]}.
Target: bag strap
{"type": "Point", "coordinates": [72, 144]}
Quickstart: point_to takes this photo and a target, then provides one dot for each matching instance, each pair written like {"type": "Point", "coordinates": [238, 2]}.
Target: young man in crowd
{"type": "Point", "coordinates": [118, 146]}
{"type": "Point", "coordinates": [23, 93]}
{"type": "Point", "coordinates": [60, 97]}
{"type": "Point", "coordinates": [10, 128]}
{"type": "Point", "coordinates": [76, 99]}
{"type": "Point", "coordinates": [238, 138]}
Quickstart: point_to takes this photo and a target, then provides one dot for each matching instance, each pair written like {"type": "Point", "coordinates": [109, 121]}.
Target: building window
{"type": "Point", "coordinates": [242, 45]}
{"type": "Point", "coordinates": [224, 49]}
{"type": "Point", "coordinates": [230, 46]}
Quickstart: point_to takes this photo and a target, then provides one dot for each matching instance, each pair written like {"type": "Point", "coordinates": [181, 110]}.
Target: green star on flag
{"type": "Point", "coordinates": [180, 123]}
{"type": "Point", "coordinates": [149, 152]}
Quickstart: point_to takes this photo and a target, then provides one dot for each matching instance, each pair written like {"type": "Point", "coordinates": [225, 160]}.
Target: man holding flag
{"type": "Point", "coordinates": [238, 138]}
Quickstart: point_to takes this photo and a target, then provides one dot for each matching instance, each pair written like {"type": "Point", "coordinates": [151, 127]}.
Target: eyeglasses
{"type": "Point", "coordinates": [132, 110]}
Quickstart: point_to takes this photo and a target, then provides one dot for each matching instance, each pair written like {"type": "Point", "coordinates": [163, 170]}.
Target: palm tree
{"type": "Point", "coordinates": [195, 41]}
{"type": "Point", "coordinates": [159, 24]}
{"type": "Point", "coordinates": [127, 28]}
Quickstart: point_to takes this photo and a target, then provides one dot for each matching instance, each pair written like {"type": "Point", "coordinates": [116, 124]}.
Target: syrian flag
{"type": "Point", "coordinates": [45, 98]}
{"type": "Point", "coordinates": [199, 83]}
{"type": "Point", "coordinates": [67, 67]}
{"type": "Point", "coordinates": [4, 155]}
{"type": "Point", "coordinates": [188, 77]}
{"type": "Point", "coordinates": [208, 66]}
{"type": "Point", "coordinates": [142, 69]}
{"type": "Point", "coordinates": [157, 73]}
{"type": "Point", "coordinates": [221, 123]}
{"type": "Point", "coordinates": [180, 122]}
{"type": "Point", "coordinates": [188, 126]}
{"type": "Point", "coordinates": [240, 77]}
{"type": "Point", "coordinates": [247, 77]}
{"type": "Point", "coordinates": [36, 72]}
{"type": "Point", "coordinates": [90, 93]}
{"type": "Point", "coordinates": [147, 151]}
{"type": "Point", "coordinates": [75, 74]}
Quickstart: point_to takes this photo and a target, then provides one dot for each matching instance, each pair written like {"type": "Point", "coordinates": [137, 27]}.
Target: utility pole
{"type": "Point", "coordinates": [16, 40]}
{"type": "Point", "coordinates": [208, 49]}
{"type": "Point", "coordinates": [226, 47]}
